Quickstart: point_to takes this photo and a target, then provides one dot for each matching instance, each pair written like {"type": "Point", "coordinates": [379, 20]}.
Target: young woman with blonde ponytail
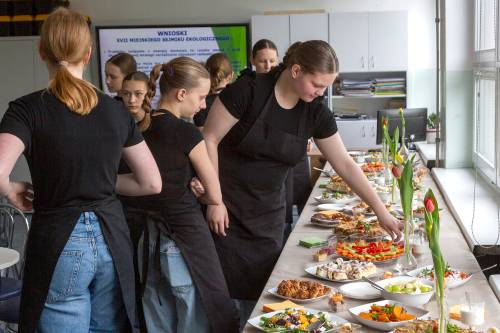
{"type": "Point", "coordinates": [185, 290]}
{"type": "Point", "coordinates": [221, 73]}
{"type": "Point", "coordinates": [77, 275]}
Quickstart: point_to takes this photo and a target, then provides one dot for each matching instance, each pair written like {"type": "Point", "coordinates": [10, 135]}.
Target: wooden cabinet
{"type": "Point", "coordinates": [375, 41]}
{"type": "Point", "coordinates": [358, 134]}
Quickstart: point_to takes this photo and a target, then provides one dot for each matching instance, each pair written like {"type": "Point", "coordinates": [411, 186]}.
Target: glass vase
{"type": "Point", "coordinates": [407, 261]}
{"type": "Point", "coordinates": [403, 150]}
{"type": "Point", "coordinates": [442, 306]}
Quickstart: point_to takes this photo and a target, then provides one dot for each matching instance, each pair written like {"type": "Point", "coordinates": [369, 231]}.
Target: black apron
{"type": "Point", "coordinates": [192, 236]}
{"type": "Point", "coordinates": [49, 233]}
{"type": "Point", "coordinates": [252, 176]}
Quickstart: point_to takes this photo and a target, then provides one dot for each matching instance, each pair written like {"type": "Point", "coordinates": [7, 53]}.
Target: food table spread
{"type": "Point", "coordinates": [295, 259]}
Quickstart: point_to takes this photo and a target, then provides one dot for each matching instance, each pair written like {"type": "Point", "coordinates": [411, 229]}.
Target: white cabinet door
{"type": "Point", "coordinates": [388, 41]}
{"type": "Point", "coordinates": [349, 39]}
{"type": "Point", "coordinates": [358, 134]}
{"type": "Point", "coordinates": [273, 27]}
{"type": "Point", "coordinates": [308, 26]}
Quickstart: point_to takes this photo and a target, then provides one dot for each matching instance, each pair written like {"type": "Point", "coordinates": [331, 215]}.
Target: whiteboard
{"type": "Point", "coordinates": [151, 45]}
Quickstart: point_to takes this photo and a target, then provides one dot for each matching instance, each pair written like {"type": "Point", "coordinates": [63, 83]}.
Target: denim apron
{"type": "Point", "coordinates": [252, 175]}
{"type": "Point", "coordinates": [49, 232]}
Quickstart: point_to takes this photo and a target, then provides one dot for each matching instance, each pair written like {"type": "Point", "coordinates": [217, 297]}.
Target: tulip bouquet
{"type": "Point", "coordinates": [392, 143]}
{"type": "Point", "coordinates": [432, 230]}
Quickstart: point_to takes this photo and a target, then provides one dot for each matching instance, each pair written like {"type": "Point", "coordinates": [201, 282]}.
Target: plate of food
{"type": "Point", "coordinates": [329, 218]}
{"type": "Point", "coordinates": [364, 227]}
{"type": "Point", "coordinates": [342, 270]}
{"type": "Point", "coordinates": [300, 291]}
{"type": "Point", "coordinates": [337, 184]}
{"type": "Point", "coordinates": [372, 167]}
{"type": "Point", "coordinates": [298, 321]}
{"type": "Point", "coordinates": [382, 251]}
{"type": "Point", "coordinates": [386, 315]}
{"type": "Point", "coordinates": [431, 325]}
{"type": "Point", "coordinates": [454, 277]}
{"type": "Point", "coordinates": [328, 197]}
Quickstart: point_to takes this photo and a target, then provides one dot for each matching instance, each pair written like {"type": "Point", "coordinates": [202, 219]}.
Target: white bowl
{"type": "Point", "coordinates": [408, 299]}
{"type": "Point", "coordinates": [419, 313]}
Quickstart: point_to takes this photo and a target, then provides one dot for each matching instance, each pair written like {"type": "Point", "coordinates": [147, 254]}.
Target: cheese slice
{"type": "Point", "coordinates": [280, 306]}
{"type": "Point", "coordinates": [454, 311]}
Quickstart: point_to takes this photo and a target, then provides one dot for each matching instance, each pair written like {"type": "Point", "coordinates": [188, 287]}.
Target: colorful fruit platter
{"type": "Point", "coordinates": [380, 251]}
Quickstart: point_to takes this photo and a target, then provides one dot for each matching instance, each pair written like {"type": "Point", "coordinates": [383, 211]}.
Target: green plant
{"type": "Point", "coordinates": [432, 121]}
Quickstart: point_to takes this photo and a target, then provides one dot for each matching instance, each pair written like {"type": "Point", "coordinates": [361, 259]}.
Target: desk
{"type": "Point", "coordinates": [294, 259]}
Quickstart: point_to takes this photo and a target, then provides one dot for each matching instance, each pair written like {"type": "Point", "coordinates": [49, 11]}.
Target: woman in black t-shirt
{"type": "Point", "coordinates": [185, 290]}
{"type": "Point", "coordinates": [262, 123]}
{"type": "Point", "coordinates": [221, 73]}
{"type": "Point", "coordinates": [73, 138]}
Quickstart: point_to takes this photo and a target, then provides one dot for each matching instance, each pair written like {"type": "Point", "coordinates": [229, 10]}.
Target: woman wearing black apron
{"type": "Point", "coordinates": [78, 275]}
{"type": "Point", "coordinates": [262, 123]}
{"type": "Point", "coordinates": [185, 290]}
{"type": "Point", "coordinates": [221, 73]}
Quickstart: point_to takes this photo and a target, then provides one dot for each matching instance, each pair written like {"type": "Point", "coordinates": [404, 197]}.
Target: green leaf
{"type": "Point", "coordinates": [405, 183]}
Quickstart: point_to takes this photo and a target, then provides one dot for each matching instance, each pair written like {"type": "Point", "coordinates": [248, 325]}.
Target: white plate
{"type": "Point", "coordinates": [418, 312]}
{"type": "Point", "coordinates": [312, 271]}
{"type": "Point", "coordinates": [452, 282]}
{"type": "Point", "coordinates": [274, 291]}
{"type": "Point", "coordinates": [360, 290]}
{"type": "Point", "coordinates": [320, 200]}
{"type": "Point", "coordinates": [255, 321]}
{"type": "Point", "coordinates": [334, 206]}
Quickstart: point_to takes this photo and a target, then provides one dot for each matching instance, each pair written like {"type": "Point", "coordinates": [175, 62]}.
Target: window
{"type": "Point", "coordinates": [486, 74]}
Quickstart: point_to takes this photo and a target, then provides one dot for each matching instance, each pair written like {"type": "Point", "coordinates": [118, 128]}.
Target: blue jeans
{"type": "Point", "coordinates": [84, 294]}
{"type": "Point", "coordinates": [171, 302]}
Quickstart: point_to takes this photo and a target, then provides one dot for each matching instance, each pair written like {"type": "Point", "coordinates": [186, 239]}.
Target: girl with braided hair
{"type": "Point", "coordinates": [184, 289]}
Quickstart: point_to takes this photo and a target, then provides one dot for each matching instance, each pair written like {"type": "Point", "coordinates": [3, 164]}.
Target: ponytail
{"type": "Point", "coordinates": [65, 39]}
{"type": "Point", "coordinates": [178, 73]}
{"type": "Point", "coordinates": [219, 67]}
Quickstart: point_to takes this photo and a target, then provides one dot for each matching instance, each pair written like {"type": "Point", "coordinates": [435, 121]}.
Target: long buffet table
{"type": "Point", "coordinates": [294, 259]}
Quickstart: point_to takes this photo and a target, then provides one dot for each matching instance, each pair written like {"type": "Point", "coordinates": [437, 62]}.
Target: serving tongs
{"type": "Point", "coordinates": [326, 172]}
{"type": "Point", "coordinates": [373, 284]}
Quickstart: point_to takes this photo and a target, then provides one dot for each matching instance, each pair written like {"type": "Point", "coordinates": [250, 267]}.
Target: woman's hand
{"type": "Point", "coordinates": [197, 187]}
{"type": "Point", "coordinates": [392, 225]}
{"type": "Point", "coordinates": [218, 219]}
{"type": "Point", "coordinates": [21, 195]}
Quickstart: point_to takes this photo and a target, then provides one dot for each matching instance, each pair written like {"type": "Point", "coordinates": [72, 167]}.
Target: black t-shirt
{"type": "Point", "coordinates": [73, 159]}
{"type": "Point", "coordinates": [201, 117]}
{"type": "Point", "coordinates": [239, 96]}
{"type": "Point", "coordinates": [170, 140]}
